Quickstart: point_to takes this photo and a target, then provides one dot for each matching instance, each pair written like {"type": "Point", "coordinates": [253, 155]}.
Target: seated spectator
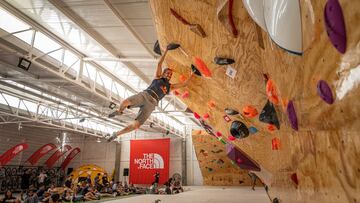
{"type": "Point", "coordinates": [69, 181]}
{"type": "Point", "coordinates": [105, 180]}
{"type": "Point", "coordinates": [97, 183]}
{"type": "Point", "coordinates": [88, 180]}
{"type": "Point", "coordinates": [91, 195]}
{"type": "Point", "coordinates": [9, 198]}
{"type": "Point", "coordinates": [83, 188]}
{"type": "Point", "coordinates": [176, 187]}
{"type": "Point", "coordinates": [54, 198]}
{"type": "Point", "coordinates": [154, 188]}
{"type": "Point", "coordinates": [46, 197]}
{"type": "Point", "coordinates": [31, 197]}
{"type": "Point", "coordinates": [40, 193]}
{"type": "Point", "coordinates": [52, 189]}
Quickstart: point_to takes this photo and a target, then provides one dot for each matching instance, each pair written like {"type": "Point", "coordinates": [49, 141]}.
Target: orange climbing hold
{"type": "Point", "coordinates": [176, 93]}
{"type": "Point", "coordinates": [250, 111]}
{"type": "Point", "coordinates": [271, 92]}
{"type": "Point", "coordinates": [271, 128]}
{"type": "Point", "coordinates": [182, 78]}
{"type": "Point", "coordinates": [211, 104]}
{"type": "Point", "coordinates": [202, 67]}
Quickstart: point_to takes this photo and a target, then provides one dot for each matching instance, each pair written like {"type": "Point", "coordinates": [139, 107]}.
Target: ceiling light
{"type": "Point", "coordinates": [24, 63]}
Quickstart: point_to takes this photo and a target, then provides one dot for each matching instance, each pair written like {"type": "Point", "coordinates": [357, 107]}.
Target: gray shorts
{"type": "Point", "coordinates": [146, 103]}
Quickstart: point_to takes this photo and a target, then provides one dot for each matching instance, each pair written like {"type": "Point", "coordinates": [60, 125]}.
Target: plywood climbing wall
{"type": "Point", "coordinates": [215, 166]}
{"type": "Point", "coordinates": [324, 153]}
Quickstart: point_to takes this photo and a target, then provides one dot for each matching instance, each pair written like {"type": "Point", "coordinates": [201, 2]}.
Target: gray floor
{"type": "Point", "coordinates": [204, 194]}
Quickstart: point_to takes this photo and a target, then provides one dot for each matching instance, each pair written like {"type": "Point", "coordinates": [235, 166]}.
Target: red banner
{"type": "Point", "coordinates": [36, 156]}
{"type": "Point", "coordinates": [56, 156]}
{"type": "Point", "coordinates": [148, 157]}
{"type": "Point", "coordinates": [70, 157]}
{"type": "Point", "coordinates": [11, 153]}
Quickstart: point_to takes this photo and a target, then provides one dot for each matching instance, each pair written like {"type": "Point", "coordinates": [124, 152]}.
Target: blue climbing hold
{"type": "Point", "coordinates": [252, 130]}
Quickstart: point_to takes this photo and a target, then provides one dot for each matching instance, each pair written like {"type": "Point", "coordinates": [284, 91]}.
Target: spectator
{"type": "Point", "coordinates": [67, 196]}
{"type": "Point", "coordinates": [31, 197]}
{"type": "Point", "coordinates": [176, 187]}
{"type": "Point", "coordinates": [69, 181]}
{"type": "Point", "coordinates": [9, 198]}
{"type": "Point", "coordinates": [25, 180]}
{"type": "Point", "coordinates": [83, 188]}
{"type": "Point", "coordinates": [97, 184]}
{"type": "Point", "coordinates": [41, 178]}
{"type": "Point", "coordinates": [40, 193]}
{"type": "Point", "coordinates": [105, 180]}
{"type": "Point", "coordinates": [91, 195]}
{"type": "Point", "coordinates": [46, 197]}
{"type": "Point", "coordinates": [54, 198]}
{"type": "Point", "coordinates": [88, 180]}
{"type": "Point", "coordinates": [157, 177]}
{"type": "Point", "coordinates": [52, 189]}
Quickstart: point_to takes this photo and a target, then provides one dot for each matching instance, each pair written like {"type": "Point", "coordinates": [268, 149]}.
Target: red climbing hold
{"type": "Point", "coordinates": [231, 138]}
{"type": "Point", "coordinates": [250, 111]}
{"type": "Point", "coordinates": [271, 92]}
{"type": "Point", "coordinates": [218, 134]}
{"type": "Point", "coordinates": [206, 116]}
{"type": "Point", "coordinates": [275, 143]}
{"type": "Point", "coordinates": [185, 95]}
{"type": "Point", "coordinates": [196, 115]}
{"type": "Point", "coordinates": [176, 93]}
{"type": "Point", "coordinates": [202, 67]}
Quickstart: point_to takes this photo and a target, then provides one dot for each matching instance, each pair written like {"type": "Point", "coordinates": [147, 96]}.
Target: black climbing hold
{"type": "Point", "coordinates": [231, 112]}
{"type": "Point", "coordinates": [275, 200]}
{"type": "Point", "coordinates": [223, 61]}
{"type": "Point", "coordinates": [172, 46]}
{"type": "Point", "coordinates": [239, 130]}
{"type": "Point", "coordinates": [268, 115]}
{"type": "Point", "coordinates": [157, 47]}
{"type": "Point", "coordinates": [195, 70]}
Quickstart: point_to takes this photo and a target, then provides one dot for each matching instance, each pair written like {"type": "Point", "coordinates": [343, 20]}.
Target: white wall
{"type": "Point", "coordinates": [194, 176]}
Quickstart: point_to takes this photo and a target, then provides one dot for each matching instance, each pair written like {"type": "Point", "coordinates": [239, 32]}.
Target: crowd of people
{"type": "Point", "coordinates": [85, 189]}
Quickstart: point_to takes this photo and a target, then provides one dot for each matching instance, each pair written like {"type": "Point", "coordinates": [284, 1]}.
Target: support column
{"type": "Point", "coordinates": [117, 162]}
{"type": "Point", "coordinates": [183, 162]}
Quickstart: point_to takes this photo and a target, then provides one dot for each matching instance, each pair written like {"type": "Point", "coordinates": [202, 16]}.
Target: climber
{"type": "Point", "coordinates": [148, 99]}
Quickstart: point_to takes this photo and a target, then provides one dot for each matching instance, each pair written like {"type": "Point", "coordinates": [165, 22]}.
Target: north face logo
{"type": "Point", "coordinates": [150, 161]}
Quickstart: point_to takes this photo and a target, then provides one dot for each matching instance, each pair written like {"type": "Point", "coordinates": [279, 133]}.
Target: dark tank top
{"type": "Point", "coordinates": [160, 87]}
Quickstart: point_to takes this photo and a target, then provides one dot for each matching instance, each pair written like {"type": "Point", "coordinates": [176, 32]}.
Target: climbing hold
{"type": "Point", "coordinates": [252, 130]}
{"type": "Point", "coordinates": [182, 78]}
{"type": "Point", "coordinates": [185, 95]}
{"type": "Point", "coordinates": [250, 111]}
{"type": "Point", "coordinates": [195, 70]}
{"type": "Point", "coordinates": [220, 161]}
{"type": "Point", "coordinates": [268, 115]}
{"type": "Point", "coordinates": [227, 118]}
{"type": "Point", "coordinates": [172, 46]}
{"type": "Point", "coordinates": [223, 61]}
{"type": "Point", "coordinates": [271, 92]}
{"type": "Point", "coordinates": [275, 200]}
{"type": "Point", "coordinates": [218, 134]}
{"type": "Point", "coordinates": [231, 138]}
{"type": "Point", "coordinates": [234, 154]}
{"type": "Point", "coordinates": [271, 127]}
{"type": "Point", "coordinates": [291, 113]}
{"type": "Point", "coordinates": [202, 67]}
{"type": "Point", "coordinates": [206, 116]}
{"type": "Point", "coordinates": [239, 160]}
{"type": "Point", "coordinates": [196, 115]}
{"type": "Point", "coordinates": [294, 179]}
{"type": "Point", "coordinates": [157, 47]}
{"type": "Point", "coordinates": [275, 143]}
{"type": "Point", "coordinates": [176, 93]}
{"type": "Point", "coordinates": [324, 92]}
{"type": "Point", "coordinates": [239, 130]}
{"type": "Point", "coordinates": [196, 28]}
{"type": "Point", "coordinates": [222, 140]}
{"type": "Point", "coordinates": [231, 112]}
{"type": "Point", "coordinates": [335, 25]}
{"type": "Point", "coordinates": [211, 104]}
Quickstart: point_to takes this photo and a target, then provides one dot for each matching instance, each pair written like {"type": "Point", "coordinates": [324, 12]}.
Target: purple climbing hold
{"type": "Point", "coordinates": [291, 113]}
{"type": "Point", "coordinates": [324, 91]}
{"type": "Point", "coordinates": [335, 25]}
{"type": "Point", "coordinates": [240, 158]}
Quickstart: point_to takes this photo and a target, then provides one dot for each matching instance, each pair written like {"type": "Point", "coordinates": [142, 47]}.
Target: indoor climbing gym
{"type": "Point", "coordinates": [180, 101]}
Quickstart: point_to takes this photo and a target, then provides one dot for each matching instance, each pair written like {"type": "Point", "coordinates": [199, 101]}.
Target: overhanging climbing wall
{"type": "Point", "coordinates": [216, 168]}
{"type": "Point", "coordinates": [324, 152]}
